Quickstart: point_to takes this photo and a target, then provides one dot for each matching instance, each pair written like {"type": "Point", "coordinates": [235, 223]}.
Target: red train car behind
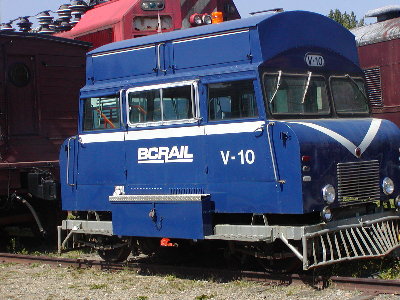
{"type": "Point", "coordinates": [379, 54]}
{"type": "Point", "coordinates": [39, 85]}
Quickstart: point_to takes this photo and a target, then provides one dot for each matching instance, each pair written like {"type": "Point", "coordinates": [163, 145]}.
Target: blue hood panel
{"type": "Point", "coordinates": [329, 142]}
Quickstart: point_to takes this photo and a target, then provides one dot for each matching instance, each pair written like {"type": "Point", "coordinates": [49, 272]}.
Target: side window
{"type": "Point", "coordinates": [144, 106]}
{"type": "Point", "coordinates": [169, 103]}
{"type": "Point", "coordinates": [231, 100]}
{"type": "Point", "coordinates": [177, 103]}
{"type": "Point", "coordinates": [101, 113]}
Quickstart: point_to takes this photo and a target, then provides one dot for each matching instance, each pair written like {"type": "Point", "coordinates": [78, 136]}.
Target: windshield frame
{"type": "Point", "coordinates": [296, 115]}
{"type": "Point", "coordinates": [350, 77]}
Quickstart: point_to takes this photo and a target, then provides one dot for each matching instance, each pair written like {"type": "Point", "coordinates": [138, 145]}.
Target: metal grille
{"type": "Point", "coordinates": [98, 38]}
{"type": "Point", "coordinates": [358, 181]}
{"type": "Point", "coordinates": [374, 87]}
{"type": "Point", "coordinates": [372, 239]}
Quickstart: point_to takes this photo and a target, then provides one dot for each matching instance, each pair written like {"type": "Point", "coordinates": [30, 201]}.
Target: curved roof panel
{"type": "Point", "coordinates": [377, 32]}
{"type": "Point", "coordinates": [277, 33]}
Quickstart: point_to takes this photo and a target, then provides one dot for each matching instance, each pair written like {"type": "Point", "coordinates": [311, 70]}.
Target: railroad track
{"type": "Point", "coordinates": [367, 285]}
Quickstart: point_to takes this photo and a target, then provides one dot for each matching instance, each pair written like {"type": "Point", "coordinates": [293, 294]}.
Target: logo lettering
{"type": "Point", "coordinates": [162, 155]}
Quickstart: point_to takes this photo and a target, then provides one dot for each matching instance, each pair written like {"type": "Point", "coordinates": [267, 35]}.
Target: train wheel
{"type": "Point", "coordinates": [118, 254]}
{"type": "Point", "coordinates": [115, 255]}
{"type": "Point", "coordinates": [286, 265]}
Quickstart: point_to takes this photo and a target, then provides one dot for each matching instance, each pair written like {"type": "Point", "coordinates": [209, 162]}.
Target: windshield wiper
{"type": "Point", "coordinates": [307, 85]}
{"type": "Point", "coordinates": [277, 86]}
{"type": "Point", "coordinates": [358, 87]}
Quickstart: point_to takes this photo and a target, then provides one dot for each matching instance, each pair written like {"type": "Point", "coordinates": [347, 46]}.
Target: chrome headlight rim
{"type": "Point", "coordinates": [387, 186]}
{"type": "Point", "coordinates": [329, 193]}
{"type": "Point", "coordinates": [326, 214]}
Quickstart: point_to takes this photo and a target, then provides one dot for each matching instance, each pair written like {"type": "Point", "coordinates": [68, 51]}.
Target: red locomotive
{"type": "Point", "coordinates": [117, 20]}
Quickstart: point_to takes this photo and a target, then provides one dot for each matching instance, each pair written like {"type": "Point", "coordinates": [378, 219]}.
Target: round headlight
{"type": "Point", "coordinates": [329, 193]}
{"type": "Point", "coordinates": [388, 186]}
{"type": "Point", "coordinates": [196, 20]}
{"type": "Point", "coordinates": [326, 214]}
{"type": "Point", "coordinates": [207, 19]}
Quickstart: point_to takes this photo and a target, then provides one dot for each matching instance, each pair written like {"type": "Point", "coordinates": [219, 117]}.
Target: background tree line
{"type": "Point", "coordinates": [347, 20]}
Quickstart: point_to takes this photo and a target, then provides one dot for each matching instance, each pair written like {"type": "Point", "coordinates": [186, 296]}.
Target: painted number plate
{"type": "Point", "coordinates": [314, 60]}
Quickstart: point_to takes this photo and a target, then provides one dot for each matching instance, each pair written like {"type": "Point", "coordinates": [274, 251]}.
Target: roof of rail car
{"type": "Point", "coordinates": [281, 31]}
{"type": "Point", "coordinates": [101, 16]}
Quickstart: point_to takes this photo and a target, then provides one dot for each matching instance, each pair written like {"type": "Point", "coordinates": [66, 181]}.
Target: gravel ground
{"type": "Point", "coordinates": [46, 282]}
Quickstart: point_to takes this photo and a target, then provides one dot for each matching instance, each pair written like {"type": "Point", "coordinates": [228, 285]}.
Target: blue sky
{"type": "Point", "coordinates": [11, 9]}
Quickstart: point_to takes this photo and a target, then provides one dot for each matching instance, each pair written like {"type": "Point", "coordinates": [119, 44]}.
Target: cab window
{"type": "Point", "coordinates": [349, 95]}
{"type": "Point", "coordinates": [101, 113]}
{"type": "Point", "coordinates": [231, 100]}
{"type": "Point", "coordinates": [295, 94]}
{"type": "Point", "coordinates": [166, 103]}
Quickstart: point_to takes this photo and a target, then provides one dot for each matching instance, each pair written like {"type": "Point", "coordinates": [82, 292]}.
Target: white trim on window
{"type": "Point", "coordinates": [195, 103]}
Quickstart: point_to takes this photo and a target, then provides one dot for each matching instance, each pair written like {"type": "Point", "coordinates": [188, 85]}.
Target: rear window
{"type": "Point", "coordinates": [101, 113]}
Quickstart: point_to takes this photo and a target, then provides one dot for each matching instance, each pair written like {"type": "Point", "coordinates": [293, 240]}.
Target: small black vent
{"type": "Point", "coordinates": [373, 80]}
{"type": "Point", "coordinates": [186, 191]}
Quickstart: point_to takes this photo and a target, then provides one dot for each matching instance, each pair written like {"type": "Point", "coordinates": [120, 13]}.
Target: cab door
{"type": "Point", "coordinates": [164, 150]}
{"type": "Point", "coordinates": [166, 171]}
{"type": "Point", "coordinates": [240, 174]}
{"type": "Point", "coordinates": [100, 151]}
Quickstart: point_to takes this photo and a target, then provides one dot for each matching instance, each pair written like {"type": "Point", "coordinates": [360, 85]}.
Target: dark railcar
{"type": "Point", "coordinates": [379, 54]}
{"type": "Point", "coordinates": [39, 86]}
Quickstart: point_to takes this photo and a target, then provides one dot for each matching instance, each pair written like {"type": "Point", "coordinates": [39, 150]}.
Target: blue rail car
{"type": "Point", "coordinates": [255, 131]}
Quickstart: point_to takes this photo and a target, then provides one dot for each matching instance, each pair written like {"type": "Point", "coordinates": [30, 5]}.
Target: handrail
{"type": "Point", "coordinates": [273, 158]}
{"type": "Point", "coordinates": [159, 58]}
{"type": "Point", "coordinates": [68, 160]}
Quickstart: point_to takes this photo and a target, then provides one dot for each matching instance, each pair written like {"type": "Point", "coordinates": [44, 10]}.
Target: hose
{"type": "Point", "coordinates": [33, 212]}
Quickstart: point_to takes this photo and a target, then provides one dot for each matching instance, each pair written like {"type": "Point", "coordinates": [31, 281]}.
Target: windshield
{"type": "Point", "coordinates": [349, 95]}
{"type": "Point", "coordinates": [296, 94]}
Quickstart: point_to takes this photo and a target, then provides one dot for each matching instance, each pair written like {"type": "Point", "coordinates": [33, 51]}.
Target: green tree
{"type": "Point", "coordinates": [348, 20]}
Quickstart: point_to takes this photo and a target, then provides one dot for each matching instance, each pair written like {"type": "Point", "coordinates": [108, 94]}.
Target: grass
{"type": "Point", "coordinates": [384, 268]}
{"type": "Point", "coordinates": [98, 286]}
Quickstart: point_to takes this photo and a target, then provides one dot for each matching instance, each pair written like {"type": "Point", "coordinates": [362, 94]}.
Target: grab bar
{"type": "Point", "coordinates": [68, 160]}
{"type": "Point", "coordinates": [159, 58]}
{"type": "Point", "coordinates": [273, 158]}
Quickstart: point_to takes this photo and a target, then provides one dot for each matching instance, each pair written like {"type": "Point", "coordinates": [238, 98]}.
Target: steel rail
{"type": "Point", "coordinates": [368, 285]}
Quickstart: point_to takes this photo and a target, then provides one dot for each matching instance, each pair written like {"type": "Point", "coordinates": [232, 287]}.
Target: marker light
{"type": "Point", "coordinates": [329, 193]}
{"type": "Point", "coordinates": [196, 20]}
{"type": "Point", "coordinates": [153, 5]}
{"type": "Point", "coordinates": [217, 17]}
{"type": "Point", "coordinates": [326, 214]}
{"type": "Point", "coordinates": [388, 186]}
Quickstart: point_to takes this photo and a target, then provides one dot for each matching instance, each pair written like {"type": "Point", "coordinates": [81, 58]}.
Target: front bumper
{"type": "Point", "coordinates": [366, 236]}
